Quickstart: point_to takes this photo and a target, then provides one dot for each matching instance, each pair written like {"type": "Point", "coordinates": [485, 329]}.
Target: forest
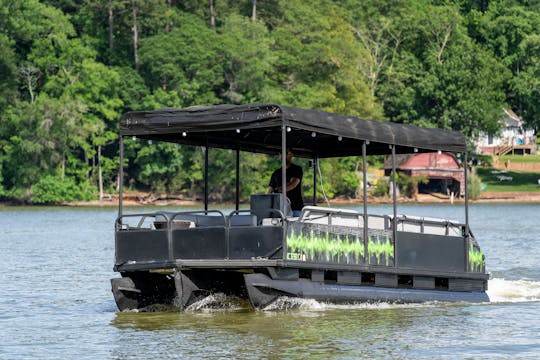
{"type": "Point", "coordinates": [70, 68]}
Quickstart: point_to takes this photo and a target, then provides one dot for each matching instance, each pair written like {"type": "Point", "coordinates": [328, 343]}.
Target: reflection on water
{"type": "Point", "coordinates": [282, 333]}
{"type": "Point", "coordinates": [412, 331]}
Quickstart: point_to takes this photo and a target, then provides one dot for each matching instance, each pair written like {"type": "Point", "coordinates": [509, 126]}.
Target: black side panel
{"type": "Point", "coordinates": [200, 243]}
{"type": "Point", "coordinates": [247, 242]}
{"type": "Point", "coordinates": [141, 245]}
{"type": "Point", "coordinates": [434, 252]}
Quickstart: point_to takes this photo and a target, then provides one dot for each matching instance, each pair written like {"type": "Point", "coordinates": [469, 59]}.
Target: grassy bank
{"type": "Point", "coordinates": [520, 158]}
{"type": "Point", "coordinates": [508, 181]}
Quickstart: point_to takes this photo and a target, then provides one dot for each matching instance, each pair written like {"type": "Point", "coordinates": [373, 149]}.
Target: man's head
{"type": "Point", "coordinates": [289, 157]}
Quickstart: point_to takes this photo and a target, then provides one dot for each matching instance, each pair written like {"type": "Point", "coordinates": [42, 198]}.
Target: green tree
{"type": "Point", "coordinates": [318, 61]}
{"type": "Point", "coordinates": [8, 72]}
{"type": "Point", "coordinates": [443, 79]}
{"type": "Point", "coordinates": [183, 62]}
{"type": "Point", "coordinates": [510, 30]}
{"type": "Point", "coordinates": [246, 58]}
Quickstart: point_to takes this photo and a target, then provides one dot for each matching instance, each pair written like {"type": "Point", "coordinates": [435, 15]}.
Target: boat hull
{"type": "Point", "coordinates": [264, 290]}
{"type": "Point", "coordinates": [263, 286]}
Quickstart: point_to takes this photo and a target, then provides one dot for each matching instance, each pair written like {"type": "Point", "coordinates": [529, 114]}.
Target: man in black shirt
{"type": "Point", "coordinates": [294, 175]}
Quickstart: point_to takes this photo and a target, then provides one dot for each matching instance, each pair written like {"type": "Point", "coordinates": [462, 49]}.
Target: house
{"type": "Point", "coordinates": [514, 138]}
{"type": "Point", "coordinates": [443, 171]}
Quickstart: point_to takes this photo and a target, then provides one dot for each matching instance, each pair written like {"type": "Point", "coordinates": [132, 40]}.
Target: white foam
{"type": "Point", "coordinates": [287, 303]}
{"type": "Point", "coordinates": [215, 302]}
{"type": "Point", "coordinates": [501, 290]}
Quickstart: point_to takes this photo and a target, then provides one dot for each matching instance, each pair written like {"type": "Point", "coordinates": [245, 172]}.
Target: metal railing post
{"type": "Point", "coordinates": [364, 194]}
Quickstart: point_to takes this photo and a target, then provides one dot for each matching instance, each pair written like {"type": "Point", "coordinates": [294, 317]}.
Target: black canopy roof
{"type": "Point", "coordinates": [310, 133]}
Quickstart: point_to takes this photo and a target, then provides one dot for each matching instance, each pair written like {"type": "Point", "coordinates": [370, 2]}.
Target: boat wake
{"type": "Point", "coordinates": [501, 290]}
{"type": "Point", "coordinates": [217, 302]}
{"type": "Point", "coordinates": [285, 303]}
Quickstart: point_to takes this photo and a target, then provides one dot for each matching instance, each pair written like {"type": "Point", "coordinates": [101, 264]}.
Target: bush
{"type": "Point", "coordinates": [54, 189]}
{"type": "Point", "coordinates": [474, 184]}
{"type": "Point", "coordinates": [381, 188]}
{"type": "Point", "coordinates": [409, 184]}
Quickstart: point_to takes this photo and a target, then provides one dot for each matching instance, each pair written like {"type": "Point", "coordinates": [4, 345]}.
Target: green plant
{"type": "Point", "coordinates": [474, 184]}
{"type": "Point", "coordinates": [53, 189]}
{"type": "Point", "coordinates": [476, 258]}
{"type": "Point", "coordinates": [381, 188]}
{"type": "Point", "coordinates": [408, 184]}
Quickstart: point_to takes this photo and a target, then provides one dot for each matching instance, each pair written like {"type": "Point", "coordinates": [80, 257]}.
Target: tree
{"type": "Point", "coordinates": [183, 63]}
{"type": "Point", "coordinates": [318, 61]}
{"type": "Point", "coordinates": [246, 59]}
{"type": "Point", "coordinates": [510, 31]}
{"type": "Point", "coordinates": [525, 85]}
{"type": "Point", "coordinates": [443, 79]}
{"type": "Point", "coordinates": [8, 72]}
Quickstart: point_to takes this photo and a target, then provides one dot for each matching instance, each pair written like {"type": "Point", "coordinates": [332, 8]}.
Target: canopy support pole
{"type": "Point", "coordinates": [121, 179]}
{"type": "Point", "coordinates": [206, 177]}
{"type": "Point", "coordinates": [394, 194]}
{"type": "Point", "coordinates": [465, 168]}
{"type": "Point", "coordinates": [237, 200]}
{"type": "Point", "coordinates": [284, 183]}
{"type": "Point", "coordinates": [283, 165]}
{"type": "Point", "coordinates": [364, 194]}
{"type": "Point", "coordinates": [315, 167]}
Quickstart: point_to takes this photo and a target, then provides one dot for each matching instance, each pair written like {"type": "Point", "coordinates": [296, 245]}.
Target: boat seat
{"type": "Point", "coordinates": [198, 219]}
{"type": "Point", "coordinates": [209, 220]}
{"type": "Point", "coordinates": [242, 220]}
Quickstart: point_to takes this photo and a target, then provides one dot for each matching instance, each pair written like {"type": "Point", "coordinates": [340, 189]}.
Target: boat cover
{"type": "Point", "coordinates": [310, 133]}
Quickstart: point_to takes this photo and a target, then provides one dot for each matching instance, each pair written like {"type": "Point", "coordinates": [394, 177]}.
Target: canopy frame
{"type": "Point", "coordinates": [272, 129]}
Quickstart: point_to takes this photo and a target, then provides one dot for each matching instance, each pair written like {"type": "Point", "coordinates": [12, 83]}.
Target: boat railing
{"type": "Point", "coordinates": [319, 234]}
{"type": "Point", "coordinates": [327, 235]}
{"type": "Point", "coordinates": [248, 217]}
{"type": "Point", "coordinates": [175, 220]}
{"type": "Point", "coordinates": [196, 219]}
{"type": "Point", "coordinates": [310, 214]}
{"type": "Point", "coordinates": [331, 216]}
{"type": "Point", "coordinates": [140, 221]}
{"type": "Point", "coordinates": [352, 218]}
{"type": "Point", "coordinates": [429, 226]}
{"type": "Point", "coordinates": [166, 237]}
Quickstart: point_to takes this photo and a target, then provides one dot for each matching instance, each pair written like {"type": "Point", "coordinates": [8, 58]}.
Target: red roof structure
{"type": "Point", "coordinates": [443, 170]}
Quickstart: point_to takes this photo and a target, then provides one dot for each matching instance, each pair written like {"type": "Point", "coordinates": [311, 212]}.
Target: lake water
{"type": "Point", "coordinates": [56, 303]}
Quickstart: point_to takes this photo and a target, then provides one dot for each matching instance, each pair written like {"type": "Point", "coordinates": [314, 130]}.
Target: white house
{"type": "Point", "coordinates": [514, 138]}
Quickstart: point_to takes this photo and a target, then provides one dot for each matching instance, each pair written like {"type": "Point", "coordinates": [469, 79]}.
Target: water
{"type": "Point", "coordinates": [56, 303]}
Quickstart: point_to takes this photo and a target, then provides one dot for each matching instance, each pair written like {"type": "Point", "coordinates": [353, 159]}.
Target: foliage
{"type": "Point", "coordinates": [69, 69]}
{"type": "Point", "coordinates": [474, 184]}
{"type": "Point", "coordinates": [53, 189]}
{"type": "Point", "coordinates": [409, 184]}
{"type": "Point", "coordinates": [381, 188]}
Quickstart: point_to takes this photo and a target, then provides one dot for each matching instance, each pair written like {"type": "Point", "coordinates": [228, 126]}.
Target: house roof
{"type": "Point", "coordinates": [430, 161]}
{"type": "Point", "coordinates": [257, 128]}
{"type": "Point", "coordinates": [512, 119]}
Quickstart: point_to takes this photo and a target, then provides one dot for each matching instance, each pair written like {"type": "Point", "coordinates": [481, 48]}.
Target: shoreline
{"type": "Point", "coordinates": [137, 201]}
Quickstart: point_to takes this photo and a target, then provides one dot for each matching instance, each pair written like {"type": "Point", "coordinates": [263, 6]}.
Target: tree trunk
{"type": "Point", "coordinates": [100, 173]}
{"type": "Point", "coordinates": [111, 29]}
{"type": "Point", "coordinates": [168, 24]}
{"type": "Point", "coordinates": [87, 162]}
{"type": "Point", "coordinates": [212, 17]}
{"type": "Point", "coordinates": [135, 35]}
{"type": "Point", "coordinates": [254, 11]}
{"type": "Point", "coordinates": [63, 165]}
